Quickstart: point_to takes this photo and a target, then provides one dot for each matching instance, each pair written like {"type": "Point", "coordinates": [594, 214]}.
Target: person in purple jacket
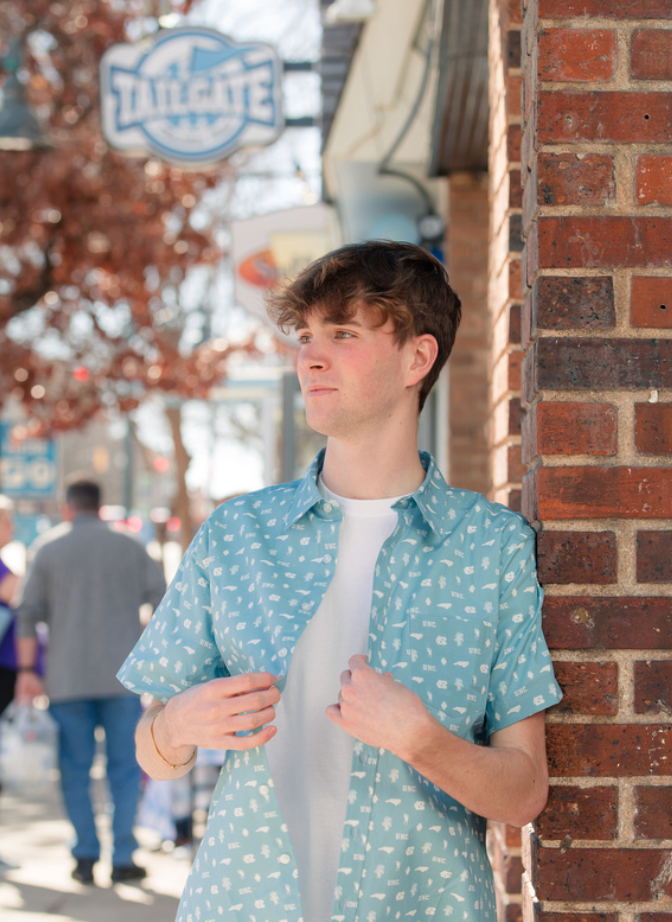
{"type": "Point", "coordinates": [9, 583]}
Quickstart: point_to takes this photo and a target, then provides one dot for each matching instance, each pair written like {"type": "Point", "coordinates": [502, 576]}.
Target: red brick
{"type": "Point", "coordinates": [651, 54]}
{"type": "Point", "coordinates": [511, 873]}
{"type": "Point", "coordinates": [515, 499]}
{"type": "Point", "coordinates": [604, 9]}
{"type": "Point", "coordinates": [513, 51]}
{"type": "Point", "coordinates": [651, 302]}
{"type": "Point", "coordinates": [653, 428]}
{"type": "Point", "coordinates": [515, 363]}
{"type": "Point", "coordinates": [514, 911]}
{"type": "Point", "coordinates": [516, 414]}
{"type": "Point", "coordinates": [577, 557]}
{"type": "Point", "coordinates": [654, 556]}
{"type": "Point", "coordinates": [577, 55]}
{"type": "Point", "coordinates": [653, 687]}
{"type": "Point", "coordinates": [513, 139]}
{"type": "Point", "coordinates": [654, 917]}
{"type": "Point", "coordinates": [571, 179]}
{"type": "Point", "coordinates": [588, 688]}
{"type": "Point", "coordinates": [585, 916]}
{"type": "Point", "coordinates": [556, 427]}
{"type": "Point", "coordinates": [514, 12]}
{"type": "Point", "coordinates": [508, 836]}
{"type": "Point", "coordinates": [515, 233]}
{"type": "Point", "coordinates": [514, 324]}
{"type": "Point", "coordinates": [631, 117]}
{"type": "Point", "coordinates": [653, 817]}
{"type": "Point", "coordinates": [608, 750]}
{"type": "Point", "coordinates": [603, 242]}
{"type": "Point", "coordinates": [569, 303]}
{"type": "Point", "coordinates": [515, 276]}
{"type": "Point", "coordinates": [515, 190]}
{"type": "Point", "coordinates": [586, 875]}
{"type": "Point", "coordinates": [623, 623]}
{"type": "Point", "coordinates": [583, 364]}
{"type": "Point", "coordinates": [582, 813]}
{"type": "Point", "coordinates": [653, 179]}
{"type": "Point", "coordinates": [515, 467]}
{"type": "Point", "coordinates": [514, 86]}
{"type": "Point", "coordinates": [597, 493]}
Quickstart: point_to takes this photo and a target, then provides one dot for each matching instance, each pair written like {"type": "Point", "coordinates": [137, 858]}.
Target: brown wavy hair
{"type": "Point", "coordinates": [400, 282]}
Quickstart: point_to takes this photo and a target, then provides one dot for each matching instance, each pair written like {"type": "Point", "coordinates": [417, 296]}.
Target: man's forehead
{"type": "Point", "coordinates": [357, 313]}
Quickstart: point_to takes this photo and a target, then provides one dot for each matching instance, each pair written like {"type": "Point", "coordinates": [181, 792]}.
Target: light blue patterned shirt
{"type": "Point", "coordinates": [455, 616]}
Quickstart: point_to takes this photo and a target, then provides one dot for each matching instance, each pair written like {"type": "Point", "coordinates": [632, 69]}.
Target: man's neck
{"type": "Point", "coordinates": [370, 471]}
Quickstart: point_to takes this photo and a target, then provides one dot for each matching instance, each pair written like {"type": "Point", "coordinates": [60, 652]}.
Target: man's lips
{"type": "Point", "coordinates": [319, 390]}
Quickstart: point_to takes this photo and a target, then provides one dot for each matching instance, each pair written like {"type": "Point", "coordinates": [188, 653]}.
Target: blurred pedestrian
{"type": "Point", "coordinates": [9, 584]}
{"type": "Point", "coordinates": [87, 583]}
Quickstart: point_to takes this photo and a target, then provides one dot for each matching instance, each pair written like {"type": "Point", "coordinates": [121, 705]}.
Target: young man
{"type": "Point", "coordinates": [365, 641]}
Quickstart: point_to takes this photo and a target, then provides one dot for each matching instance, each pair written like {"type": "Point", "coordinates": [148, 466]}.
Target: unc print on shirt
{"type": "Point", "coordinates": [455, 616]}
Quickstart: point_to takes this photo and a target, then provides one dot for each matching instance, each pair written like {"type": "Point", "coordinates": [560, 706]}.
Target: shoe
{"type": "Point", "coordinates": [124, 872]}
{"type": "Point", "coordinates": [83, 871]}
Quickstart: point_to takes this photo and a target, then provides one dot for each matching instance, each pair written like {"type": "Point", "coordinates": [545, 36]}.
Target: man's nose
{"type": "Point", "coordinates": [313, 355]}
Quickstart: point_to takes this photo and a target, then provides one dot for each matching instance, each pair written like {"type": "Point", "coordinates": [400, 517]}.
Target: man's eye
{"type": "Point", "coordinates": [343, 334]}
{"type": "Point", "coordinates": [304, 338]}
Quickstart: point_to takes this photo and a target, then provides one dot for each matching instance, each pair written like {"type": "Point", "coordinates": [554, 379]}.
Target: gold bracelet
{"type": "Point", "coordinates": [163, 758]}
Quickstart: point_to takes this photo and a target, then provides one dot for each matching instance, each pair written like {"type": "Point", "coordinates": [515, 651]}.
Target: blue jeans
{"type": "Point", "coordinates": [77, 721]}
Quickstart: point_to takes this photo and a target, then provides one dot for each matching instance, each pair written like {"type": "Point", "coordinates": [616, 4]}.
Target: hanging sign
{"type": "Point", "coordinates": [192, 97]}
{"type": "Point", "coordinates": [28, 469]}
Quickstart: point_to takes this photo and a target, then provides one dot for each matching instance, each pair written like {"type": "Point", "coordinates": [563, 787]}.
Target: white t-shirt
{"type": "Point", "coordinates": [309, 757]}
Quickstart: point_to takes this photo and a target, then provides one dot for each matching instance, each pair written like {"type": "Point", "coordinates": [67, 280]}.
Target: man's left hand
{"type": "Point", "coordinates": [377, 710]}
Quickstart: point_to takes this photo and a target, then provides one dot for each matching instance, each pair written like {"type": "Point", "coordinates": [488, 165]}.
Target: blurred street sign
{"type": "Point", "coordinates": [28, 468]}
{"type": "Point", "coordinates": [191, 96]}
{"type": "Point", "coordinates": [269, 249]}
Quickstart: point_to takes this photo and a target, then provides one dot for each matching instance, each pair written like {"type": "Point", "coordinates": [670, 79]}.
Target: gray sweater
{"type": "Point", "coordinates": [87, 582]}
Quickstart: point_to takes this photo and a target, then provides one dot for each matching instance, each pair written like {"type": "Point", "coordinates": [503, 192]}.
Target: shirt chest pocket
{"type": "Point", "coordinates": [450, 657]}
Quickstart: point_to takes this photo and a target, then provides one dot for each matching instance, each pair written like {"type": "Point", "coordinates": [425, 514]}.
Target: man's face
{"type": "Point", "coordinates": [353, 375]}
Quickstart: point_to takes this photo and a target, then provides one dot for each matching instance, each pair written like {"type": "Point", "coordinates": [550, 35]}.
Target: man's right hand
{"type": "Point", "coordinates": [29, 686]}
{"type": "Point", "coordinates": [211, 716]}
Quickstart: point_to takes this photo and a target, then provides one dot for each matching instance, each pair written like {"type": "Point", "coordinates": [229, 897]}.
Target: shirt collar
{"type": "Point", "coordinates": [440, 505]}
{"type": "Point", "coordinates": [308, 494]}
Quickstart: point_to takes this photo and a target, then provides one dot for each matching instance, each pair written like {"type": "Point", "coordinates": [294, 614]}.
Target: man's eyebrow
{"type": "Point", "coordinates": [330, 321]}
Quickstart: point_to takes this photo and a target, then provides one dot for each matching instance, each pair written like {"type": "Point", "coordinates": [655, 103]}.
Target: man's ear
{"type": "Point", "coordinates": [424, 352]}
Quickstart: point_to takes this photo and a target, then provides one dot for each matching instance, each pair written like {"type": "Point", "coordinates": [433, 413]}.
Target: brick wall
{"type": "Point", "coordinates": [596, 164]}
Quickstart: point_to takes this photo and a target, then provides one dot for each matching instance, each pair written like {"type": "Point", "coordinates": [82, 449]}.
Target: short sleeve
{"type": "Point", "coordinates": [177, 649]}
{"type": "Point", "coordinates": [522, 681]}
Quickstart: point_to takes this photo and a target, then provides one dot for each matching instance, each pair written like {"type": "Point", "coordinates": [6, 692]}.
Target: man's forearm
{"type": "Point", "coordinates": [26, 652]}
{"type": "Point", "coordinates": [505, 781]}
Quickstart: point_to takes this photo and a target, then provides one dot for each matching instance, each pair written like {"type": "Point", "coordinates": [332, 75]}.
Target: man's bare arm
{"type": "Point", "coordinates": [208, 715]}
{"type": "Point", "coordinates": [506, 780]}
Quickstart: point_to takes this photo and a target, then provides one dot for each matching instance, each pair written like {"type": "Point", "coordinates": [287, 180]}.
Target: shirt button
{"type": "Point", "coordinates": [328, 507]}
{"type": "Point", "coordinates": [284, 859]}
{"type": "Point", "coordinates": [328, 558]}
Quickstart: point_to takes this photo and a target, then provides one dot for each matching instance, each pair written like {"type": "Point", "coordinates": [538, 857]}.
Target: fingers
{"type": "Point", "coordinates": [260, 738]}
{"type": "Point", "coordinates": [210, 715]}
{"type": "Point", "coordinates": [346, 676]}
{"type": "Point", "coordinates": [243, 684]}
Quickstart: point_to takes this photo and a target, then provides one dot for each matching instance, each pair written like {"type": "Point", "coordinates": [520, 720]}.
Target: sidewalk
{"type": "Point", "coordinates": [38, 888]}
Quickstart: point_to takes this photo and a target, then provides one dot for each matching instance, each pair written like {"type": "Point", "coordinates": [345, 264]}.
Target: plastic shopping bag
{"type": "Point", "coordinates": [28, 747]}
